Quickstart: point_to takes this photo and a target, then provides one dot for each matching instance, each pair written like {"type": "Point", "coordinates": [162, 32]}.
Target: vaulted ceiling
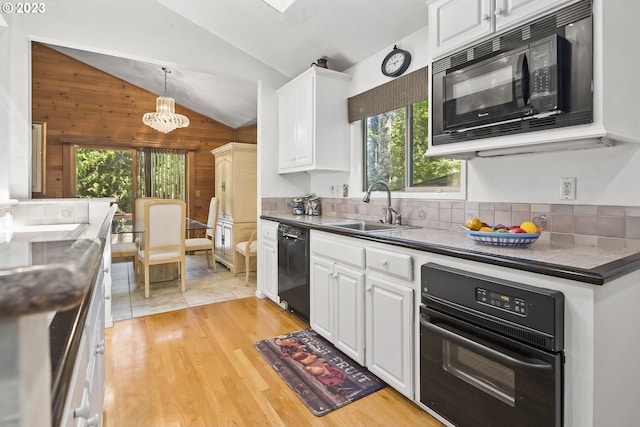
{"type": "Point", "coordinates": [343, 31]}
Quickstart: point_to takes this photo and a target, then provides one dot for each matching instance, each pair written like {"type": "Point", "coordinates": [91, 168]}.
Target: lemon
{"type": "Point", "coordinates": [474, 224]}
{"type": "Point", "coordinates": [487, 229]}
{"type": "Point", "coordinates": [529, 227]}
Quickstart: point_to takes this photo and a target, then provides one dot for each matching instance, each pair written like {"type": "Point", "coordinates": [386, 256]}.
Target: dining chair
{"type": "Point", "coordinates": [163, 238]}
{"type": "Point", "coordinates": [127, 250]}
{"type": "Point", "coordinates": [208, 242]}
{"type": "Point", "coordinates": [138, 214]}
{"type": "Point", "coordinates": [248, 249]}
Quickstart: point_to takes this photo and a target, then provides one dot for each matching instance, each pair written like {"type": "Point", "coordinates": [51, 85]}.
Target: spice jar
{"type": "Point", "coordinates": [298, 206]}
{"type": "Point", "coordinates": [314, 206]}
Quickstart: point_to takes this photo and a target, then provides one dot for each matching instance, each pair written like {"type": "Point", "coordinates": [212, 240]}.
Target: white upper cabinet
{"type": "Point", "coordinates": [268, 260]}
{"type": "Point", "coordinates": [509, 13]}
{"type": "Point", "coordinates": [454, 24]}
{"type": "Point", "coordinates": [313, 122]}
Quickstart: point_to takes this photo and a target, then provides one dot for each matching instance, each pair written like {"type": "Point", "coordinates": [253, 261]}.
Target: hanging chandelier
{"type": "Point", "coordinates": [165, 119]}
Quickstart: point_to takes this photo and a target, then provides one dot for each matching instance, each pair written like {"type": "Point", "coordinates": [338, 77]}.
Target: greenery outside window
{"type": "Point", "coordinates": [127, 174]}
{"type": "Point", "coordinates": [395, 143]}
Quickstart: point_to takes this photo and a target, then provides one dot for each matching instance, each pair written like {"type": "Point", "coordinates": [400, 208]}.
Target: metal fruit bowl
{"type": "Point", "coordinates": [502, 239]}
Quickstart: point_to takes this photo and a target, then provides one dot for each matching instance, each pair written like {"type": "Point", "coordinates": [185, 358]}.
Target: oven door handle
{"type": "Point", "coordinates": [528, 364]}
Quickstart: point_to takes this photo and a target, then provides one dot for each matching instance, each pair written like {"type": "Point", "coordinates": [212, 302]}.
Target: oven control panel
{"type": "Point", "coordinates": [501, 301]}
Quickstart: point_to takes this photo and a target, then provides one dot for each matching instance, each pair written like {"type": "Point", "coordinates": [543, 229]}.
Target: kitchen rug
{"type": "Point", "coordinates": [322, 376]}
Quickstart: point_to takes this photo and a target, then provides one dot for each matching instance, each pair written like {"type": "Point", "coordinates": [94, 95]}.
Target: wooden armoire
{"type": "Point", "coordinates": [236, 190]}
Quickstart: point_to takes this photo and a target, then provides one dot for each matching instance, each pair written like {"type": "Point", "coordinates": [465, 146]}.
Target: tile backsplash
{"type": "Point", "coordinates": [593, 225]}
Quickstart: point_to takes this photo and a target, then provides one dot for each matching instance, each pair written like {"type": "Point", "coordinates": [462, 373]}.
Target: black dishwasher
{"type": "Point", "coordinates": [293, 269]}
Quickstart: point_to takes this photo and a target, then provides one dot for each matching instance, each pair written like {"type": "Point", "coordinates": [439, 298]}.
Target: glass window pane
{"type": "Point", "coordinates": [105, 173]}
{"type": "Point", "coordinates": [388, 156]}
{"type": "Point", "coordinates": [385, 148]}
{"type": "Point", "coordinates": [437, 173]}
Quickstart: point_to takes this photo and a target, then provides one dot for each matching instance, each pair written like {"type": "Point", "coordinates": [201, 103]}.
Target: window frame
{"type": "Point", "coordinates": [412, 192]}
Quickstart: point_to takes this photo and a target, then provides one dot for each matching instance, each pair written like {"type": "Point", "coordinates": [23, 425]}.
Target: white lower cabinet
{"type": "Point", "coordinates": [349, 311]}
{"type": "Point", "coordinates": [268, 259]}
{"type": "Point", "coordinates": [321, 295]}
{"type": "Point", "coordinates": [337, 292]}
{"type": "Point", "coordinates": [85, 398]}
{"type": "Point", "coordinates": [363, 301]}
{"type": "Point", "coordinates": [389, 326]}
{"type": "Point", "coordinates": [390, 316]}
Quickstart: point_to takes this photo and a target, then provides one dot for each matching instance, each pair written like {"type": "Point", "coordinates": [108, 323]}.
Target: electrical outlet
{"type": "Point", "coordinates": [568, 188]}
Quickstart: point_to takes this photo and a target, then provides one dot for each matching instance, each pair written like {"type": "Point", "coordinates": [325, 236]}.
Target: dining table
{"type": "Point", "coordinates": [124, 224]}
{"type": "Point", "coordinates": [124, 228]}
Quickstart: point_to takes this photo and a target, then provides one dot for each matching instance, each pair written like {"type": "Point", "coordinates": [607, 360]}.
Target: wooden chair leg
{"type": "Point", "coordinates": [146, 280]}
{"type": "Point", "coordinates": [247, 262]}
{"type": "Point", "coordinates": [183, 283]}
{"type": "Point", "coordinates": [136, 272]}
{"type": "Point", "coordinates": [213, 262]}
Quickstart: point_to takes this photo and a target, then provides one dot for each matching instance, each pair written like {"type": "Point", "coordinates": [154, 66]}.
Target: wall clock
{"type": "Point", "coordinates": [396, 62]}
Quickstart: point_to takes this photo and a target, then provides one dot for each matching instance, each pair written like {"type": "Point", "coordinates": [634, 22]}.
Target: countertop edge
{"type": "Point", "coordinates": [50, 287]}
{"type": "Point", "coordinates": [595, 276]}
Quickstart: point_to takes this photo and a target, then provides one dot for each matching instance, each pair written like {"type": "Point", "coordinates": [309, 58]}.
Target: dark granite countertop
{"type": "Point", "coordinates": [588, 264]}
{"type": "Point", "coordinates": [39, 273]}
{"type": "Point", "coordinates": [51, 269]}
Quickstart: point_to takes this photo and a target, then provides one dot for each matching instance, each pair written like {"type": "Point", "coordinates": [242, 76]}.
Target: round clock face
{"type": "Point", "coordinates": [396, 62]}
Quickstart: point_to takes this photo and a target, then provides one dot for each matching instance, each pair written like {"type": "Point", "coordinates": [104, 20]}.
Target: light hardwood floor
{"type": "Point", "coordinates": [197, 367]}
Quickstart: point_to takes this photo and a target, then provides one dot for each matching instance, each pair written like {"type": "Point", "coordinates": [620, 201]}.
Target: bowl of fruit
{"type": "Point", "coordinates": [502, 235]}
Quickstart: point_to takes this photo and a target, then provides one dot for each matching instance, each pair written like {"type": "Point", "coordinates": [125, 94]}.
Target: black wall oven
{"type": "Point", "coordinates": [491, 351]}
{"type": "Point", "coordinates": [538, 76]}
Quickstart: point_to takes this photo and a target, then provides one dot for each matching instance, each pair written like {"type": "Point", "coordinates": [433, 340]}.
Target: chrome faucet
{"type": "Point", "coordinates": [388, 217]}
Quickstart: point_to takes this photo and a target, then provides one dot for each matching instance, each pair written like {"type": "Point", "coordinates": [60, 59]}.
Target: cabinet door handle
{"type": "Point", "coordinates": [100, 348]}
{"type": "Point", "coordinates": [384, 263]}
{"type": "Point", "coordinates": [83, 410]}
{"type": "Point", "coordinates": [485, 17]}
{"type": "Point", "coordinates": [499, 12]}
{"type": "Point", "coordinates": [94, 421]}
{"type": "Point", "coordinates": [369, 288]}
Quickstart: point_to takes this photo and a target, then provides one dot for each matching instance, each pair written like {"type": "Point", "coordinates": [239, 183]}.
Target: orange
{"type": "Point", "coordinates": [529, 227]}
{"type": "Point", "coordinates": [487, 229]}
{"type": "Point", "coordinates": [474, 224]}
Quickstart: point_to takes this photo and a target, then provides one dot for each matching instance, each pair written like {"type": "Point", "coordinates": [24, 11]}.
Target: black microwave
{"type": "Point", "coordinates": [538, 76]}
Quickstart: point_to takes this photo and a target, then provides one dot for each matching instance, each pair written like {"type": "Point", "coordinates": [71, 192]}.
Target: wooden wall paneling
{"type": "Point", "coordinates": [247, 134]}
{"type": "Point", "coordinates": [85, 105]}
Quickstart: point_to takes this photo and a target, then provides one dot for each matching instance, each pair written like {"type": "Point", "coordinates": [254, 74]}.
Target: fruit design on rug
{"type": "Point", "coordinates": [314, 365]}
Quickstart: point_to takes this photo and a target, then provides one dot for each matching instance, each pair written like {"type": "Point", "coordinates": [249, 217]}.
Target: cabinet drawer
{"type": "Point", "coordinates": [343, 252]}
{"type": "Point", "coordinates": [270, 230]}
{"type": "Point", "coordinates": [388, 262]}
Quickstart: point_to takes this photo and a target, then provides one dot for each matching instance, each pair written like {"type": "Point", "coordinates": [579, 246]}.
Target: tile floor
{"type": "Point", "coordinates": [203, 287]}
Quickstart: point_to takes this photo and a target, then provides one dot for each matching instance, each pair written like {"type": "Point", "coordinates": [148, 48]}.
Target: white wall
{"type": "Point", "coordinates": [605, 176]}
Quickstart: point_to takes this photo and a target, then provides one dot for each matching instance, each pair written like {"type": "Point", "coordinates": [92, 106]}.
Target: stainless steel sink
{"type": "Point", "coordinates": [368, 226]}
